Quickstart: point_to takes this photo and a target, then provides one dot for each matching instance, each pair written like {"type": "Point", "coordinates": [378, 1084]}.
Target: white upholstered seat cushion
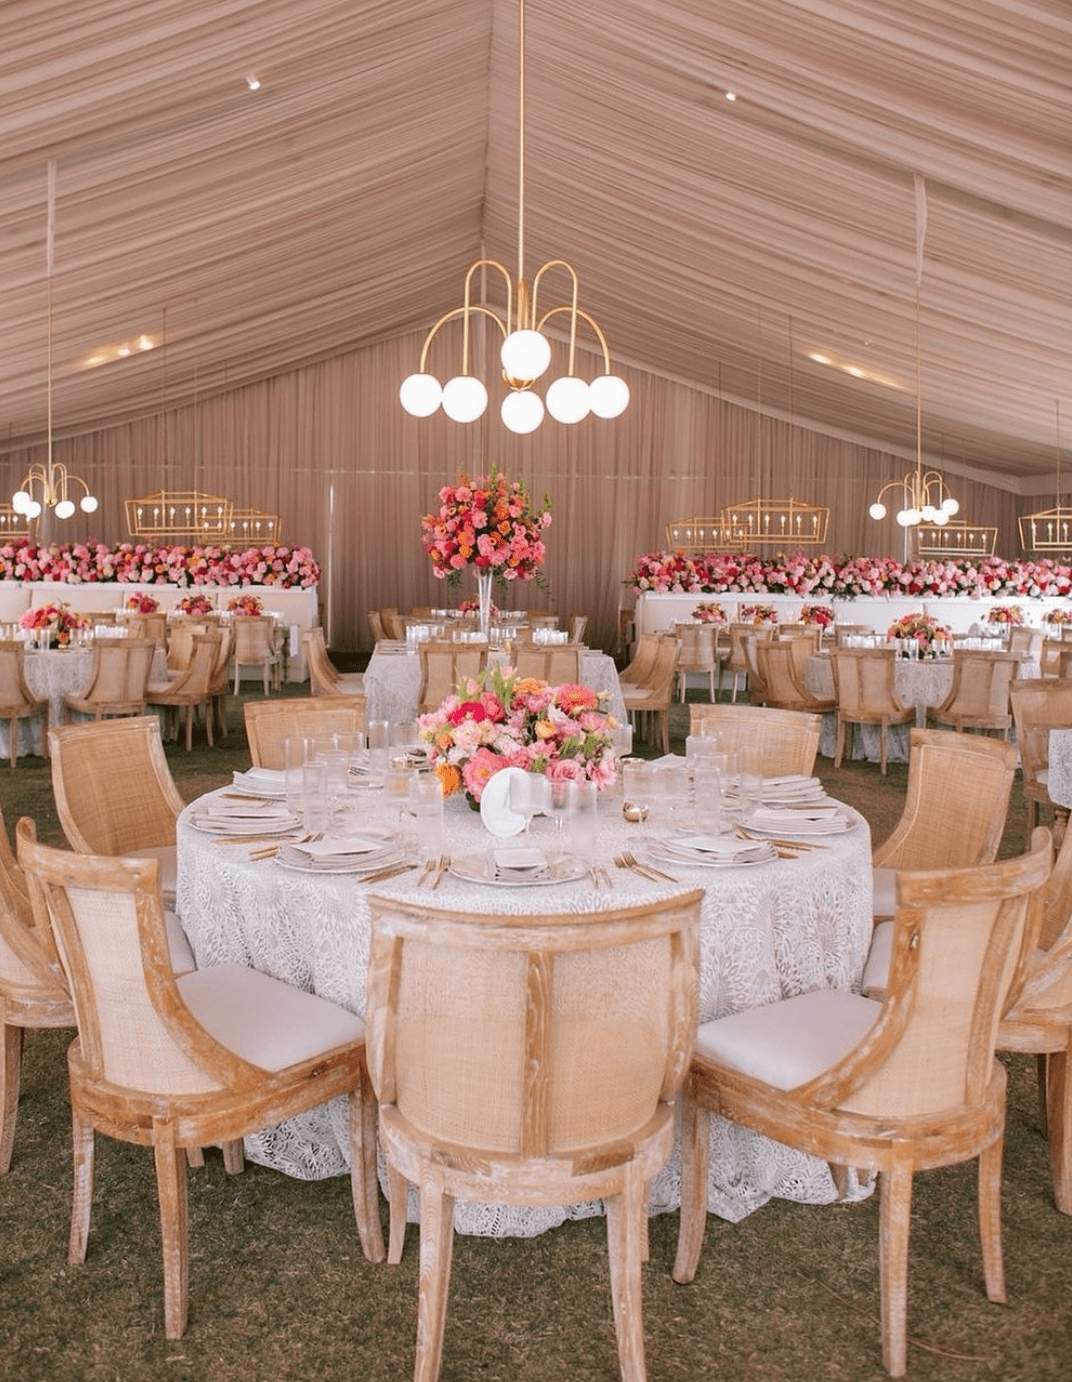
{"type": "Point", "coordinates": [789, 1042]}
{"type": "Point", "coordinates": [169, 867]}
{"type": "Point", "coordinates": [179, 948]}
{"type": "Point", "coordinates": [884, 892]}
{"type": "Point", "coordinates": [263, 1020]}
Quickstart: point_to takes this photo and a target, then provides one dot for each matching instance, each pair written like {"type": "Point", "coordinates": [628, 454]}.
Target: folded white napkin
{"type": "Point", "coordinates": [818, 820]}
{"type": "Point", "coordinates": [251, 809]}
{"type": "Point", "coordinates": [265, 782]}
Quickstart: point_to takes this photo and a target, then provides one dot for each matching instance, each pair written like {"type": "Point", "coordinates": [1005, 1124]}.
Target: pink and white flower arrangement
{"type": "Point", "coordinates": [501, 720]}
{"type": "Point", "coordinates": [194, 604]}
{"type": "Point", "coordinates": [1009, 615]}
{"type": "Point", "coordinates": [57, 620]}
{"type": "Point", "coordinates": [142, 604]}
{"type": "Point", "coordinates": [823, 615]}
{"type": "Point", "coordinates": [488, 523]}
{"type": "Point", "coordinates": [757, 614]}
{"type": "Point", "coordinates": [246, 605]}
{"type": "Point", "coordinates": [1058, 616]}
{"type": "Point", "coordinates": [77, 563]}
{"type": "Point", "coordinates": [709, 613]}
{"type": "Point", "coordinates": [473, 607]}
{"type": "Point", "coordinates": [925, 629]}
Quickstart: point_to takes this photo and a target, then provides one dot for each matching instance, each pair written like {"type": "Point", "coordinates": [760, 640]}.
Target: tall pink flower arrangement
{"type": "Point", "coordinates": [488, 523]}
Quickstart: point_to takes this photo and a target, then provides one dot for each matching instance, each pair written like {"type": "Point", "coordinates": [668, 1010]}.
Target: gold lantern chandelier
{"type": "Point", "coordinates": [49, 486]}
{"type": "Point", "coordinates": [526, 352]}
{"type": "Point", "coordinates": [1049, 531]}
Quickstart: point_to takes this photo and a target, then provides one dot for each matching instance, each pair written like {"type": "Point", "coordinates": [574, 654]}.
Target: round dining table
{"type": "Point", "coordinates": [768, 931]}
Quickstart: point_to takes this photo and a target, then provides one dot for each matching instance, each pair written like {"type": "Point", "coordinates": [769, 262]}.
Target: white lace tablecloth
{"type": "Point", "coordinates": [1059, 779]}
{"type": "Point", "coordinates": [768, 931]}
{"type": "Point", "coordinates": [393, 683]}
{"type": "Point", "coordinates": [918, 683]}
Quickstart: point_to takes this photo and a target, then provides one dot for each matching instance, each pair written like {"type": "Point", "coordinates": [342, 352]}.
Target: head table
{"type": "Point", "coordinates": [768, 931]}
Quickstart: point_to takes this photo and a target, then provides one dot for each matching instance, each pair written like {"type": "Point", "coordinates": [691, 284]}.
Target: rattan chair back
{"type": "Point", "coordinates": [255, 646]}
{"type": "Point", "coordinates": [866, 694]}
{"type": "Point", "coordinates": [443, 667]}
{"type": "Point", "coordinates": [154, 626]}
{"type": "Point", "coordinates": [979, 695]}
{"type": "Point", "coordinates": [955, 804]}
{"type": "Point", "coordinates": [113, 788]}
{"type": "Point", "coordinates": [17, 701]}
{"type": "Point", "coordinates": [779, 743]}
{"type": "Point", "coordinates": [529, 1059]}
{"type": "Point", "coordinates": [1038, 705]}
{"type": "Point", "coordinates": [117, 680]}
{"type": "Point", "coordinates": [269, 724]}
{"type": "Point", "coordinates": [781, 670]}
{"type": "Point", "coordinates": [557, 664]}
{"type": "Point", "coordinates": [698, 655]}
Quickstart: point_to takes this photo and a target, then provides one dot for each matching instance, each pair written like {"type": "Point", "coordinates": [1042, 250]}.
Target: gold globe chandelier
{"type": "Point", "coordinates": [526, 352]}
{"type": "Point", "coordinates": [47, 487]}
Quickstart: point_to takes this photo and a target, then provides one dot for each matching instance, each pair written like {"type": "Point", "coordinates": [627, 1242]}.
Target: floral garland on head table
{"type": "Point", "coordinates": [501, 720]}
{"type": "Point", "coordinates": [844, 577]}
{"type": "Point", "coordinates": [80, 563]}
{"type": "Point", "coordinates": [488, 523]}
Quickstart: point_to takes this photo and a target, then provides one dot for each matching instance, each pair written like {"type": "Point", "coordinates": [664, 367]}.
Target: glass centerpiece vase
{"type": "Point", "coordinates": [483, 596]}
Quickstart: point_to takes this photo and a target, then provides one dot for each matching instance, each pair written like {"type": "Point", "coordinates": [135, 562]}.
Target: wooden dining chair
{"type": "Point", "coordinates": [1038, 704]}
{"type": "Point", "coordinates": [698, 656]}
{"type": "Point", "coordinates": [152, 626]}
{"type": "Point", "coordinates": [118, 678]}
{"type": "Point", "coordinates": [256, 646]}
{"type": "Point", "coordinates": [17, 701]}
{"type": "Point", "coordinates": [780, 742]}
{"type": "Point", "coordinates": [956, 804]}
{"type": "Point", "coordinates": [269, 724]}
{"type": "Point", "coordinates": [979, 696]}
{"type": "Point", "coordinates": [529, 1059]}
{"type": "Point", "coordinates": [33, 990]}
{"type": "Point", "coordinates": [905, 1085]}
{"type": "Point", "coordinates": [176, 1063]}
{"type": "Point", "coordinates": [866, 694]}
{"type": "Point", "coordinates": [648, 702]}
{"type": "Point", "coordinates": [191, 689]}
{"type": "Point", "coordinates": [781, 668]}
{"type": "Point", "coordinates": [325, 679]}
{"type": "Point", "coordinates": [557, 664]}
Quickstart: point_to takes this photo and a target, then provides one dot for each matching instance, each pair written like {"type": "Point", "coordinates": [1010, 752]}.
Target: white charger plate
{"type": "Point", "coordinates": [479, 868]}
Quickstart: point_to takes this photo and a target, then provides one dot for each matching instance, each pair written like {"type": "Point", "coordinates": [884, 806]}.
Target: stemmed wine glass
{"type": "Point", "coordinates": [529, 795]}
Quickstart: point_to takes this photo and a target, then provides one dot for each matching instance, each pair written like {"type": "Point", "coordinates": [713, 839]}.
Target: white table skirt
{"type": "Point", "coordinates": [393, 683]}
{"type": "Point", "coordinates": [767, 931]}
{"type": "Point", "coordinates": [1059, 776]}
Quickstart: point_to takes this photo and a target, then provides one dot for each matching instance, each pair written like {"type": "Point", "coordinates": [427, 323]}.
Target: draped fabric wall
{"type": "Point", "coordinates": [331, 450]}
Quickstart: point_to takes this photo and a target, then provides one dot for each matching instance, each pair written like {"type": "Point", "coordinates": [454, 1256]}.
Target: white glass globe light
{"type": "Point", "coordinates": [464, 398]}
{"type": "Point", "coordinates": [927, 513]}
{"type": "Point", "coordinates": [904, 518]}
{"type": "Point", "coordinates": [877, 510]}
{"type": "Point", "coordinates": [420, 394]}
{"type": "Point", "coordinates": [522, 411]}
{"type": "Point", "coordinates": [941, 518]}
{"type": "Point", "coordinates": [65, 508]}
{"type": "Point", "coordinates": [21, 501]}
{"type": "Point", "coordinates": [525, 355]}
{"type": "Point", "coordinates": [88, 504]}
{"type": "Point", "coordinates": [33, 509]}
{"type": "Point", "coordinates": [567, 399]}
{"type": "Point", "coordinates": [950, 506]}
{"type": "Point", "coordinates": [608, 395]}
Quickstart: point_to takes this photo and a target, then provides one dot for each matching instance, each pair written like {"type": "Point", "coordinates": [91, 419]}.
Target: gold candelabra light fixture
{"type": "Point", "coordinates": [526, 352]}
{"type": "Point", "coordinates": [1049, 530]}
{"type": "Point", "coordinates": [48, 486]}
{"type": "Point", "coordinates": [775, 523]}
{"type": "Point", "coordinates": [700, 535]}
{"type": "Point", "coordinates": [254, 525]}
{"type": "Point", "coordinates": [171, 515]}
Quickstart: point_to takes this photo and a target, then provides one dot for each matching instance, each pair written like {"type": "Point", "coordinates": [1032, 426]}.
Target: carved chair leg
{"type": "Point", "coordinates": [10, 1073]}
{"type": "Point", "coordinates": [397, 1195]}
{"type": "Point", "coordinates": [695, 1156]}
{"type": "Point", "coordinates": [234, 1158]}
{"type": "Point", "coordinates": [174, 1226]}
{"type": "Point", "coordinates": [625, 1234]}
{"type": "Point", "coordinates": [895, 1211]}
{"type": "Point", "coordinates": [82, 1142]}
{"type": "Point", "coordinates": [363, 1184]}
{"type": "Point", "coordinates": [437, 1250]}
{"type": "Point", "coordinates": [990, 1219]}
{"type": "Point", "coordinates": [1059, 1101]}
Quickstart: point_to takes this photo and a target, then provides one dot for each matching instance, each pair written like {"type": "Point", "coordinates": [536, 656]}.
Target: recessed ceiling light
{"type": "Point", "coordinates": [731, 95]}
{"type": "Point", "coordinates": [253, 83]}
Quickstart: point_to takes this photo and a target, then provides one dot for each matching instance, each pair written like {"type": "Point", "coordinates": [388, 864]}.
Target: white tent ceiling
{"type": "Point", "coordinates": [722, 243]}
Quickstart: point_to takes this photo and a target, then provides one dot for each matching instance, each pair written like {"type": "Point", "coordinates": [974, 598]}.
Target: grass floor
{"type": "Point", "coordinates": [280, 1290]}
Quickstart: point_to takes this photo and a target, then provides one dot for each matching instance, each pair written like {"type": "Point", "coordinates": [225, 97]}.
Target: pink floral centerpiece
{"type": "Point", "coordinates": [195, 604]}
{"type": "Point", "coordinates": [823, 615]}
{"type": "Point", "coordinates": [501, 720]}
{"type": "Point", "coordinates": [472, 607]}
{"type": "Point", "coordinates": [709, 613]}
{"type": "Point", "coordinates": [1007, 615]}
{"type": "Point", "coordinates": [757, 614]}
{"type": "Point", "coordinates": [488, 523]}
{"type": "Point", "coordinates": [923, 629]}
{"type": "Point", "coordinates": [142, 604]}
{"type": "Point", "coordinates": [1058, 616]}
{"type": "Point", "coordinates": [53, 621]}
{"type": "Point", "coordinates": [245, 604]}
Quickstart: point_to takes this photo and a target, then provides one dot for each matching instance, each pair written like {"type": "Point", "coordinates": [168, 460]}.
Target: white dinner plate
{"type": "Point", "coordinates": [790, 824]}
{"type": "Point", "coordinates": [756, 852]}
{"type": "Point", "coordinates": [481, 868]}
{"type": "Point", "coordinates": [494, 804]}
{"type": "Point", "coordinates": [245, 825]}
